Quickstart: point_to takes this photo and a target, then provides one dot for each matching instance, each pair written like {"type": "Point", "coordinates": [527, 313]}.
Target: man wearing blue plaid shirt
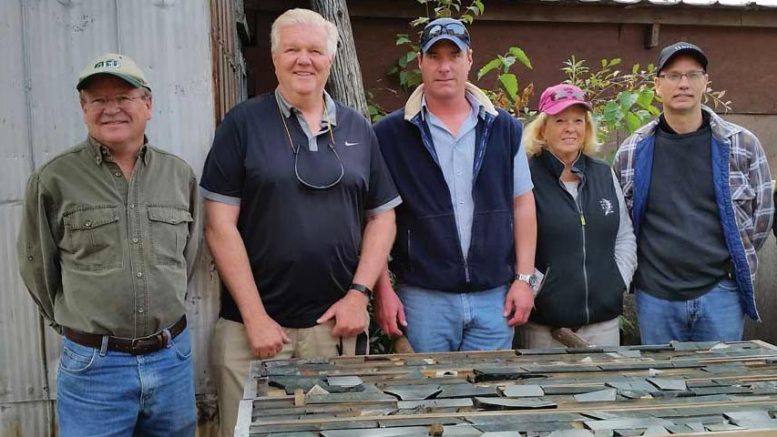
{"type": "Point", "coordinates": [699, 191]}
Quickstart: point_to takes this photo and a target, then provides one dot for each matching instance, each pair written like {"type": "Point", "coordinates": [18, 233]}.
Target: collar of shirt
{"type": "Point", "coordinates": [664, 125]}
{"type": "Point", "coordinates": [101, 152]}
{"type": "Point", "coordinates": [479, 109]}
{"type": "Point", "coordinates": [469, 123]}
{"type": "Point", "coordinates": [330, 115]}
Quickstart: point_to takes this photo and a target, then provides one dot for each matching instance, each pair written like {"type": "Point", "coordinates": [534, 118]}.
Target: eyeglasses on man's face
{"type": "Point", "coordinates": [674, 77]}
{"type": "Point", "coordinates": [123, 101]}
{"type": "Point", "coordinates": [454, 29]}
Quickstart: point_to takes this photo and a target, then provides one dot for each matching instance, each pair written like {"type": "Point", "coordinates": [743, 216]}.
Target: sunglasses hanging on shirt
{"type": "Point", "coordinates": [318, 171]}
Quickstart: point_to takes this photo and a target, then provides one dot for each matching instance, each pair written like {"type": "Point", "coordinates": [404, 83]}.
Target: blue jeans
{"type": "Point", "coordinates": [438, 321]}
{"type": "Point", "coordinates": [714, 316]}
{"type": "Point", "coordinates": [119, 394]}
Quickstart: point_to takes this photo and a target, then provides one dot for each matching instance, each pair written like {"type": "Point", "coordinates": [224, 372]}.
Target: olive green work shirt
{"type": "Point", "coordinates": [106, 255]}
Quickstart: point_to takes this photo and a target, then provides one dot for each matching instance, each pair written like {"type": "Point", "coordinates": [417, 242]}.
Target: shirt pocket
{"type": "Point", "coordinates": [169, 233]}
{"type": "Point", "coordinates": [743, 197]}
{"type": "Point", "coordinates": [92, 238]}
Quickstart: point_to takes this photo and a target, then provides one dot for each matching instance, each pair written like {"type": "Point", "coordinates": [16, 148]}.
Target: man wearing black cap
{"type": "Point", "coordinates": [699, 190]}
{"type": "Point", "coordinates": [109, 236]}
{"type": "Point", "coordinates": [468, 208]}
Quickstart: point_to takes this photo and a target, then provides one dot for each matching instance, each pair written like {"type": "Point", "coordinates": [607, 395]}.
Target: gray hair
{"type": "Point", "coordinates": [306, 17]}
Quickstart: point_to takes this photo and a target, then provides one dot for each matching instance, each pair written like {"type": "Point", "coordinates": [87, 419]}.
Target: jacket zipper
{"type": "Point", "coordinates": [409, 257]}
{"type": "Point", "coordinates": [585, 270]}
{"type": "Point", "coordinates": [427, 141]}
{"type": "Point", "coordinates": [582, 229]}
{"type": "Point", "coordinates": [483, 139]}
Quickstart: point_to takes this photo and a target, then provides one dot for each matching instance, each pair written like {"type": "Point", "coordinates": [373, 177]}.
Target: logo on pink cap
{"type": "Point", "coordinates": [560, 97]}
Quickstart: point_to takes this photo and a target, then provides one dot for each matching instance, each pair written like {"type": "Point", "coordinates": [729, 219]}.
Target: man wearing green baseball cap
{"type": "Point", "coordinates": [108, 239]}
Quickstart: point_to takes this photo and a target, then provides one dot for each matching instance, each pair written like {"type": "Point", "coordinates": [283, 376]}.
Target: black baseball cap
{"type": "Point", "coordinates": [680, 48]}
{"type": "Point", "coordinates": [446, 28]}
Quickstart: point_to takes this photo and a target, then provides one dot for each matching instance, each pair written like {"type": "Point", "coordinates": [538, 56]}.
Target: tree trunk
{"type": "Point", "coordinates": [345, 81]}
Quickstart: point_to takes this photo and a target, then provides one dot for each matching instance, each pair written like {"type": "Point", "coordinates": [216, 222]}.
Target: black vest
{"type": "Point", "coordinates": [426, 251]}
{"type": "Point", "coordinates": [576, 242]}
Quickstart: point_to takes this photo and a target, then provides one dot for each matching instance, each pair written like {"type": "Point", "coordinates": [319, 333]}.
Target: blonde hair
{"type": "Point", "coordinates": [299, 16]}
{"type": "Point", "coordinates": [533, 142]}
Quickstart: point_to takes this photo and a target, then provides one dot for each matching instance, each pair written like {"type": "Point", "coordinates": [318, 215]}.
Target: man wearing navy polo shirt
{"type": "Point", "coordinates": [300, 216]}
{"type": "Point", "coordinates": [466, 230]}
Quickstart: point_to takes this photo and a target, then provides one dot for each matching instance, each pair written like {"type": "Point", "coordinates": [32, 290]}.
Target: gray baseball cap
{"type": "Point", "coordinates": [680, 48]}
{"type": "Point", "coordinates": [117, 65]}
{"type": "Point", "coordinates": [449, 29]}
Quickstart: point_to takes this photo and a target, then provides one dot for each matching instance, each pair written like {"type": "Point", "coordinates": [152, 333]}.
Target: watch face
{"type": "Point", "coordinates": [532, 281]}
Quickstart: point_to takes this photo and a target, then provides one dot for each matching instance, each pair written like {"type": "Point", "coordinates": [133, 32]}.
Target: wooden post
{"type": "Point", "coordinates": [401, 345]}
{"type": "Point", "coordinates": [345, 80]}
{"type": "Point", "coordinates": [568, 338]}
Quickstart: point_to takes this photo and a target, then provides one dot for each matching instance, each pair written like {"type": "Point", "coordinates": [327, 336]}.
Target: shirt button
{"type": "Point", "coordinates": [135, 240]}
{"type": "Point", "coordinates": [139, 274]}
{"type": "Point", "coordinates": [29, 258]}
{"type": "Point", "coordinates": [117, 174]}
{"type": "Point", "coordinates": [88, 223]}
{"type": "Point", "coordinates": [132, 206]}
{"type": "Point", "coordinates": [140, 310]}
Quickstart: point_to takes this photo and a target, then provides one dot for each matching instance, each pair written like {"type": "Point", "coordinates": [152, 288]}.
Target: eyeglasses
{"type": "Point", "coordinates": [311, 169]}
{"type": "Point", "coordinates": [122, 101]}
{"type": "Point", "coordinates": [675, 77]}
{"type": "Point", "coordinates": [454, 29]}
{"type": "Point", "coordinates": [567, 93]}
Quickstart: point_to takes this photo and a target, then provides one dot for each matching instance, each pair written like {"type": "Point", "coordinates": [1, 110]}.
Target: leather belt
{"type": "Point", "coordinates": [134, 346]}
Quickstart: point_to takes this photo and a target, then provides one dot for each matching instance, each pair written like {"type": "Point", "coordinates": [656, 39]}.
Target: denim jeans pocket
{"type": "Point", "coordinates": [76, 358]}
{"type": "Point", "coordinates": [728, 285]}
{"type": "Point", "coordinates": [182, 345]}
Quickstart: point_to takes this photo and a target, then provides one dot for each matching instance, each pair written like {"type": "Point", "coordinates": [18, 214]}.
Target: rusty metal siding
{"type": "Point", "coordinates": [229, 69]}
{"type": "Point", "coordinates": [45, 44]}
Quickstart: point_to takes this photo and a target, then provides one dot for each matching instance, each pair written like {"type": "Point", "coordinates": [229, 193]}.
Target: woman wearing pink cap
{"type": "Point", "coordinates": [585, 243]}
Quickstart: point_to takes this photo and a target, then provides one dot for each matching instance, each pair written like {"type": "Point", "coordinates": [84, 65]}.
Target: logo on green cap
{"type": "Point", "coordinates": [108, 63]}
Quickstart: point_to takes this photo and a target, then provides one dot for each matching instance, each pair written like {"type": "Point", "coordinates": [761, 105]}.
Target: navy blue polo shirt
{"type": "Point", "coordinates": [303, 244]}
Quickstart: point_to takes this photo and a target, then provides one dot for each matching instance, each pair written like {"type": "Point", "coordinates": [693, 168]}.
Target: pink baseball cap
{"type": "Point", "coordinates": [560, 97]}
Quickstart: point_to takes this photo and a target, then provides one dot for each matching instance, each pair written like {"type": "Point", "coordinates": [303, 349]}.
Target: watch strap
{"type": "Point", "coordinates": [362, 289]}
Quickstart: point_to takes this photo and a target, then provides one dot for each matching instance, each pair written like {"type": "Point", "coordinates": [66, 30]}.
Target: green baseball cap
{"type": "Point", "coordinates": [117, 65]}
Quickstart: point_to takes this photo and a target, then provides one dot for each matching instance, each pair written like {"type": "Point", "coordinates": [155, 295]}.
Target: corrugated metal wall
{"type": "Point", "coordinates": [45, 43]}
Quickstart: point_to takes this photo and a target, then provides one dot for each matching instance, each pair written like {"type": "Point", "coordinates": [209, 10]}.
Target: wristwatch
{"type": "Point", "coordinates": [362, 289]}
{"type": "Point", "coordinates": [530, 279]}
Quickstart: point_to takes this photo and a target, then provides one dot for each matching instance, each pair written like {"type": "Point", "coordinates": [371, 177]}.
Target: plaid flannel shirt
{"type": "Point", "coordinates": [746, 224]}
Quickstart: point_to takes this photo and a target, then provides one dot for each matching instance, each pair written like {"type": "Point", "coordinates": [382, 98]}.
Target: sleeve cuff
{"type": "Point", "coordinates": [216, 197]}
{"type": "Point", "coordinates": [523, 190]}
{"type": "Point", "coordinates": [391, 204]}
